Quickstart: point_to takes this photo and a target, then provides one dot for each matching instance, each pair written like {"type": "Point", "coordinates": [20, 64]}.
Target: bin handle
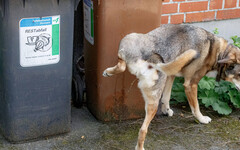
{"type": "Point", "coordinates": [2, 6]}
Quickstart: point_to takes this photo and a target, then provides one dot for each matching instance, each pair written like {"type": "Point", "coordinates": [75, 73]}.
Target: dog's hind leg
{"type": "Point", "coordinates": [165, 107]}
{"type": "Point", "coordinates": [120, 67]}
{"type": "Point", "coordinates": [151, 97]}
{"type": "Point", "coordinates": [151, 106]}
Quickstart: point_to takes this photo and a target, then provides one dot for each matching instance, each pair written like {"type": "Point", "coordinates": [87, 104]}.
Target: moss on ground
{"type": "Point", "coordinates": [178, 132]}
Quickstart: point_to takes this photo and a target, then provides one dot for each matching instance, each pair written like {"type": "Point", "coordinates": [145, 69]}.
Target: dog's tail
{"type": "Point", "coordinates": [120, 67]}
{"type": "Point", "coordinates": [175, 66]}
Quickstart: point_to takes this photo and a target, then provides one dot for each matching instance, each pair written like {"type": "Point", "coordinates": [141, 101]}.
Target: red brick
{"type": "Point", "coordinates": [202, 16]}
{"type": "Point", "coordinates": [164, 19]}
{"type": "Point", "coordinates": [215, 4]}
{"type": "Point", "coordinates": [169, 8]}
{"type": "Point", "coordinates": [164, 1]}
{"type": "Point", "coordinates": [193, 6]}
{"type": "Point", "coordinates": [178, 0]}
{"type": "Point", "coordinates": [177, 19]}
{"type": "Point", "coordinates": [228, 14]}
{"type": "Point", "coordinates": [230, 3]}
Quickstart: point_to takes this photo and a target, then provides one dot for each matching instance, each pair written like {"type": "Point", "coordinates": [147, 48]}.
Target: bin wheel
{"type": "Point", "coordinates": [77, 91]}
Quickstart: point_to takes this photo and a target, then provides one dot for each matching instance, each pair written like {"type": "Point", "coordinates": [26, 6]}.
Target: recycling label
{"type": "Point", "coordinates": [39, 41]}
{"type": "Point", "coordinates": [88, 21]}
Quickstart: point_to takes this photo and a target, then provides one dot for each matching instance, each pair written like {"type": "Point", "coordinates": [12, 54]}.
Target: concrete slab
{"type": "Point", "coordinates": [226, 28]}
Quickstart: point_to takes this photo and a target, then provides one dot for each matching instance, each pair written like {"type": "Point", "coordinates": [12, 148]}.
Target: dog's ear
{"type": "Point", "coordinates": [228, 59]}
{"type": "Point", "coordinates": [233, 55]}
{"type": "Point", "coordinates": [237, 55]}
{"type": "Point", "coordinates": [225, 61]}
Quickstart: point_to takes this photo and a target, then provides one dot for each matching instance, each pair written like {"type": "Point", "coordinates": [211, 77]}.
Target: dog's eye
{"type": "Point", "coordinates": [230, 67]}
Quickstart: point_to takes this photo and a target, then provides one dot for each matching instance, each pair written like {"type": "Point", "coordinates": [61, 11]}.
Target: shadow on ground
{"type": "Point", "coordinates": [180, 132]}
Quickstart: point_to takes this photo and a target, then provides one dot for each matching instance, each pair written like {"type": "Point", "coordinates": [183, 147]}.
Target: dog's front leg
{"type": "Point", "coordinates": [191, 93]}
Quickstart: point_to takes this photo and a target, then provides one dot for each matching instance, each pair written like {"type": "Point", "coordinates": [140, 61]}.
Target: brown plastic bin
{"type": "Point", "coordinates": [116, 97]}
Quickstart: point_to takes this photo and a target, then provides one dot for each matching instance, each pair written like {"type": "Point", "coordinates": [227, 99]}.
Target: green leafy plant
{"type": "Point", "coordinates": [236, 40]}
{"type": "Point", "coordinates": [221, 96]}
{"type": "Point", "coordinates": [178, 93]}
{"type": "Point", "coordinates": [215, 31]}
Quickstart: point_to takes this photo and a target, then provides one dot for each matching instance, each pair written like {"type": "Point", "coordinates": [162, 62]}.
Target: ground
{"type": "Point", "coordinates": [180, 132]}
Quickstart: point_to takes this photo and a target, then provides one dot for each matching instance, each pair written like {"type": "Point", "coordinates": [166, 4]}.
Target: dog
{"type": "Point", "coordinates": [160, 55]}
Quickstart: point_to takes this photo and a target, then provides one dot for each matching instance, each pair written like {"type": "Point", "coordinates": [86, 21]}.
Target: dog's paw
{"type": "Point", "coordinates": [168, 112]}
{"type": "Point", "coordinates": [204, 119]}
{"type": "Point", "coordinates": [105, 74]}
{"type": "Point", "coordinates": [137, 148]}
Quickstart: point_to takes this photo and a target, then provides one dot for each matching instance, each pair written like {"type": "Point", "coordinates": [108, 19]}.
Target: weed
{"type": "Point", "coordinates": [221, 96]}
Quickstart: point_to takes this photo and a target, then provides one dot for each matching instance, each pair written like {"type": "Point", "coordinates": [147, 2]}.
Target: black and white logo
{"type": "Point", "coordinates": [42, 43]}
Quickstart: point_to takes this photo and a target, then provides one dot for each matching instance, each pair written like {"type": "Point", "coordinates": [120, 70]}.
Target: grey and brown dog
{"type": "Point", "coordinates": [157, 57]}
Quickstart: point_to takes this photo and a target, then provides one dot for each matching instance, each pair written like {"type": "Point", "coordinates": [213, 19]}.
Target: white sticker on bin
{"type": "Point", "coordinates": [88, 21]}
{"type": "Point", "coordinates": [39, 41]}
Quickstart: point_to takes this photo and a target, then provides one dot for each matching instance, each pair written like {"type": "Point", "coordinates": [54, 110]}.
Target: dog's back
{"type": "Point", "coordinates": [168, 41]}
{"type": "Point", "coordinates": [170, 46]}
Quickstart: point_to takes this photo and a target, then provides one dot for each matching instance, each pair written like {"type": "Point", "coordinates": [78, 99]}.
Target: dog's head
{"type": "Point", "coordinates": [230, 62]}
{"type": "Point", "coordinates": [232, 74]}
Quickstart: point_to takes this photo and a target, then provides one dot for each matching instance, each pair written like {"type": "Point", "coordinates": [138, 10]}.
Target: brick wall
{"type": "Point", "coordinates": [186, 11]}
